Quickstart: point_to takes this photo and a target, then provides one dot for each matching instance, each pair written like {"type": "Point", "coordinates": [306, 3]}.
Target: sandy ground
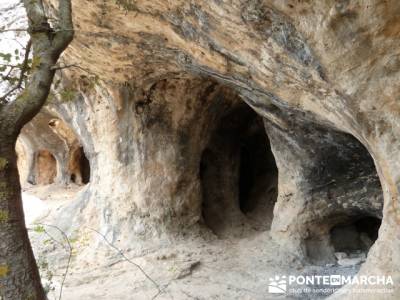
{"type": "Point", "coordinates": [193, 268]}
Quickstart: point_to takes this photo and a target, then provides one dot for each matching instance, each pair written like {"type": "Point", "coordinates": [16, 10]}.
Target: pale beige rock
{"type": "Point", "coordinates": [323, 75]}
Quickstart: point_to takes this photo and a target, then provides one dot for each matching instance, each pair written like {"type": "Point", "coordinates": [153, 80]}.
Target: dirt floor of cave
{"type": "Point", "coordinates": [190, 268]}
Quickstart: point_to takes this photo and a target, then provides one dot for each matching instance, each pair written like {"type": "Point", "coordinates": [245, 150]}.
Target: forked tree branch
{"type": "Point", "coordinates": [47, 45]}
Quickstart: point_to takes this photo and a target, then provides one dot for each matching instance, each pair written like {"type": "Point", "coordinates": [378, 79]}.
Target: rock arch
{"type": "Point", "coordinates": [48, 132]}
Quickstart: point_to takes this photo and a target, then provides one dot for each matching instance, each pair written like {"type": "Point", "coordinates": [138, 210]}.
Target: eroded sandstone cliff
{"type": "Point", "coordinates": [203, 114]}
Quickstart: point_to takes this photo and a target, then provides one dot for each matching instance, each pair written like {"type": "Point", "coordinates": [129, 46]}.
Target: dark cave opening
{"type": "Point", "coordinates": [79, 167]}
{"type": "Point", "coordinates": [238, 174]}
{"type": "Point", "coordinates": [356, 235]}
{"type": "Point", "coordinates": [246, 179]}
{"type": "Point", "coordinates": [85, 167]}
{"type": "Point", "coordinates": [346, 199]}
{"type": "Point", "coordinates": [257, 172]}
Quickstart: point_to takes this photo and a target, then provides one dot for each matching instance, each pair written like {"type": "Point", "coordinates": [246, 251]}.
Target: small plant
{"type": "Point", "coordinates": [80, 240]}
{"type": "Point", "coordinates": [43, 265]}
{"type": "Point", "coordinates": [46, 274]}
{"type": "Point", "coordinates": [67, 95]}
{"type": "Point", "coordinates": [39, 229]}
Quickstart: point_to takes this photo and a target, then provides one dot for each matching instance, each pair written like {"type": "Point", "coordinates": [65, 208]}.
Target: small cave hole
{"type": "Point", "coordinates": [53, 122]}
{"type": "Point", "coordinates": [73, 178]}
{"type": "Point", "coordinates": [85, 168]}
{"type": "Point", "coordinates": [355, 236]}
{"type": "Point", "coordinates": [79, 167]}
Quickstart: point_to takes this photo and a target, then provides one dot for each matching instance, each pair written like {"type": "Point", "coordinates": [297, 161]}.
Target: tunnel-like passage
{"type": "Point", "coordinates": [258, 174]}
{"type": "Point", "coordinates": [238, 174]}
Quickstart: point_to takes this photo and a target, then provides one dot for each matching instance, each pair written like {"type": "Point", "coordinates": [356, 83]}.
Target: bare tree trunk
{"type": "Point", "coordinates": [19, 276]}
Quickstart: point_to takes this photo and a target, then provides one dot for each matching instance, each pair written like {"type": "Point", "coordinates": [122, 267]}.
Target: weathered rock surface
{"type": "Point", "coordinates": [165, 148]}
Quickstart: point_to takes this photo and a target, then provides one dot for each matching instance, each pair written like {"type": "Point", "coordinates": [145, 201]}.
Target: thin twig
{"type": "Point", "coordinates": [130, 261]}
{"type": "Point", "coordinates": [8, 65]}
{"type": "Point", "coordinates": [14, 29]}
{"type": "Point", "coordinates": [50, 236]}
{"type": "Point", "coordinates": [161, 290]}
{"type": "Point", "coordinates": [58, 67]}
{"type": "Point", "coordinates": [7, 76]}
{"type": "Point", "coordinates": [37, 30]}
{"type": "Point", "coordinates": [54, 240]}
{"type": "Point", "coordinates": [69, 257]}
{"type": "Point", "coordinates": [63, 67]}
{"type": "Point", "coordinates": [24, 69]}
{"type": "Point", "coordinates": [11, 7]}
{"type": "Point", "coordinates": [18, 42]}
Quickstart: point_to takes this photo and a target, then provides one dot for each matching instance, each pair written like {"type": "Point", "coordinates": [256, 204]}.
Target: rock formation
{"type": "Point", "coordinates": [51, 153]}
{"type": "Point", "coordinates": [233, 117]}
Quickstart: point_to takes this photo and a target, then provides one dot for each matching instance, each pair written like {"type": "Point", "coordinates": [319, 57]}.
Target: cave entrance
{"type": "Point", "coordinates": [238, 174]}
{"type": "Point", "coordinates": [258, 174]}
{"type": "Point", "coordinates": [46, 168]}
{"type": "Point", "coordinates": [355, 236]}
{"type": "Point", "coordinates": [79, 167]}
{"type": "Point", "coordinates": [346, 200]}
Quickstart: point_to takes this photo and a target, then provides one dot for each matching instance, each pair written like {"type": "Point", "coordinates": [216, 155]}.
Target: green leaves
{"type": "Point", "coordinates": [39, 229]}
{"type": "Point", "coordinates": [67, 95]}
{"type": "Point", "coordinates": [15, 68]}
{"type": "Point", "coordinates": [46, 274]}
{"type": "Point", "coordinates": [6, 57]}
